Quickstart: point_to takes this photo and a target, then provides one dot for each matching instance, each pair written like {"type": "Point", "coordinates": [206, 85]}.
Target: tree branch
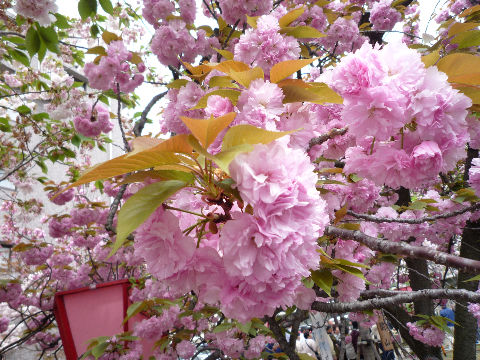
{"type": "Point", "coordinates": [376, 219]}
{"type": "Point", "coordinates": [401, 248]}
{"type": "Point", "coordinates": [277, 332]}
{"type": "Point", "coordinates": [114, 207]}
{"type": "Point", "coordinates": [322, 138]}
{"type": "Point", "coordinates": [400, 298]}
{"type": "Point", "coordinates": [138, 128]}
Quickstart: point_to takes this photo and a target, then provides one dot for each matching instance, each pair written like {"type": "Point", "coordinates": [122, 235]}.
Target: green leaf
{"type": "Point", "coordinates": [349, 263]}
{"type": "Point", "coordinates": [62, 22]}
{"type": "Point", "coordinates": [107, 6]}
{"type": "Point", "coordinates": [5, 125]}
{"type": "Point", "coordinates": [223, 327]}
{"type": "Point", "coordinates": [42, 166]}
{"type": "Point", "coordinates": [49, 37]}
{"type": "Point", "coordinates": [94, 31]}
{"type": "Point", "coordinates": [250, 135]}
{"type": "Point", "coordinates": [42, 52]}
{"type": "Point", "coordinates": [87, 8]}
{"type": "Point", "coordinates": [76, 140]}
{"type": "Point", "coordinates": [68, 153]}
{"type": "Point", "coordinates": [24, 110]}
{"type": "Point", "coordinates": [244, 327]}
{"type": "Point", "coordinates": [19, 56]}
{"type": "Point", "coordinates": [324, 279]}
{"type": "Point", "coordinates": [99, 349]}
{"type": "Point", "coordinates": [475, 278]}
{"type": "Point", "coordinates": [135, 309]}
{"type": "Point", "coordinates": [40, 116]}
{"type": "Point", "coordinates": [304, 356]}
{"type": "Point", "coordinates": [138, 208]}
{"type": "Point", "coordinates": [351, 270]}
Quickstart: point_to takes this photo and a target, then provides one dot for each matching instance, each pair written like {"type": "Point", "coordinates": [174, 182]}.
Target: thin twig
{"type": "Point", "coordinates": [138, 128]}
{"type": "Point", "coordinates": [400, 297]}
{"type": "Point", "coordinates": [401, 248]}
{"type": "Point", "coordinates": [376, 219]}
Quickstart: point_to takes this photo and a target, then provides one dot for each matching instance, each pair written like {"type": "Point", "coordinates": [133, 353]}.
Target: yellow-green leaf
{"type": "Point", "coordinates": [229, 66]}
{"type": "Point", "coordinates": [208, 30]}
{"type": "Point", "coordinates": [467, 39]}
{"type": "Point", "coordinates": [136, 59]}
{"type": "Point", "coordinates": [225, 53]}
{"type": "Point", "coordinates": [138, 208]}
{"type": "Point", "coordinates": [177, 84]}
{"type": "Point", "coordinates": [176, 144]}
{"type": "Point", "coordinates": [108, 37]}
{"type": "Point", "coordinates": [302, 32]}
{"type": "Point", "coordinates": [470, 11]}
{"type": "Point", "coordinates": [246, 77]}
{"type": "Point", "coordinates": [431, 59]}
{"type": "Point", "coordinates": [225, 157]}
{"type": "Point", "coordinates": [472, 92]}
{"type": "Point", "coordinates": [461, 68]}
{"type": "Point", "coordinates": [284, 69]}
{"type": "Point", "coordinates": [142, 143]}
{"type": "Point", "coordinates": [124, 164]}
{"type": "Point", "coordinates": [168, 174]}
{"type": "Point", "coordinates": [325, 94]}
{"type": "Point", "coordinates": [228, 93]}
{"type": "Point", "coordinates": [317, 95]}
{"type": "Point", "coordinates": [252, 21]}
{"type": "Point", "coordinates": [248, 134]}
{"type": "Point", "coordinates": [324, 279]}
{"type": "Point", "coordinates": [135, 308]}
{"type": "Point", "coordinates": [206, 130]}
{"type": "Point", "coordinates": [98, 50]}
{"type": "Point", "coordinates": [161, 154]}
{"type": "Point", "coordinates": [475, 278]}
{"type": "Point", "coordinates": [222, 81]}
{"type": "Point", "coordinates": [340, 214]}
{"type": "Point", "coordinates": [458, 28]}
{"type": "Point", "coordinates": [221, 23]}
{"type": "Point", "coordinates": [290, 17]}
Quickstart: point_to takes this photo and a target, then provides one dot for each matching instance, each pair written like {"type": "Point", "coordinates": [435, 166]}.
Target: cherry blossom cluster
{"type": "Point", "coordinates": [429, 335]}
{"type": "Point", "coordinates": [94, 121]}
{"type": "Point", "coordinates": [249, 277]}
{"type": "Point", "coordinates": [39, 10]}
{"type": "Point", "coordinates": [409, 123]}
{"type": "Point", "coordinates": [115, 70]}
{"type": "Point", "coordinates": [265, 46]}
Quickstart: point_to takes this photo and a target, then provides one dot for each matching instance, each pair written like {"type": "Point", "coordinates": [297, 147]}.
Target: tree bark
{"type": "Point", "coordinates": [418, 274]}
{"type": "Point", "coordinates": [465, 334]}
{"type": "Point", "coordinates": [466, 331]}
{"type": "Point", "coordinates": [419, 279]}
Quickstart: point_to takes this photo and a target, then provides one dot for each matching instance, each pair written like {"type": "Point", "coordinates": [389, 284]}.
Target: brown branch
{"type": "Point", "coordinates": [119, 117]}
{"type": "Point", "coordinates": [376, 219]}
{"type": "Point", "coordinates": [138, 128]}
{"type": "Point", "coordinates": [280, 337]}
{"type": "Point", "coordinates": [401, 248]}
{"type": "Point", "coordinates": [400, 297]}
{"type": "Point", "coordinates": [322, 138]}
{"type": "Point", "coordinates": [113, 208]}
